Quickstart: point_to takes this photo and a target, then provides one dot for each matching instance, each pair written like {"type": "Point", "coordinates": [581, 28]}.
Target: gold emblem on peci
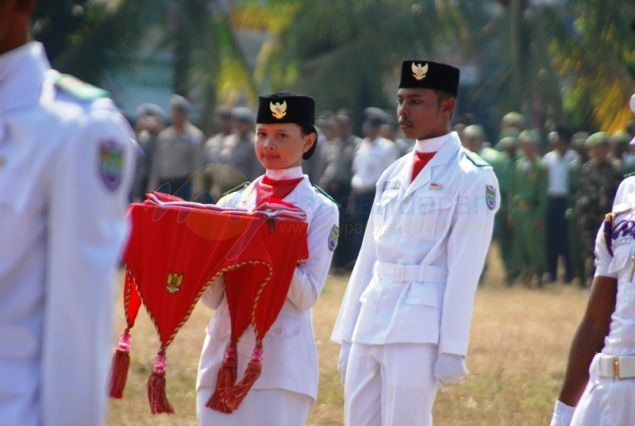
{"type": "Point", "coordinates": [419, 72]}
{"type": "Point", "coordinates": [279, 109]}
{"type": "Point", "coordinates": [174, 282]}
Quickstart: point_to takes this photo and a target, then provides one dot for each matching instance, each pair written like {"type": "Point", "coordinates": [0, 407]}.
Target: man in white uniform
{"type": "Point", "coordinates": [66, 165]}
{"type": "Point", "coordinates": [405, 318]}
{"type": "Point", "coordinates": [599, 385]}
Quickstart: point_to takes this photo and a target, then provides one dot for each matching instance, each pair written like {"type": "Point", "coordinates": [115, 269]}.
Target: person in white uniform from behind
{"type": "Point", "coordinates": [599, 384]}
{"type": "Point", "coordinates": [66, 165]}
{"type": "Point", "coordinates": [405, 318]}
{"type": "Point", "coordinates": [282, 395]}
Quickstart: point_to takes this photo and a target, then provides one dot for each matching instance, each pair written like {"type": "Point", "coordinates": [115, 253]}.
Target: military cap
{"type": "Point", "coordinates": [474, 131]}
{"type": "Point", "coordinates": [179, 103]}
{"type": "Point", "coordinates": [597, 139]}
{"type": "Point", "coordinates": [288, 108]}
{"type": "Point", "coordinates": [426, 74]}
{"type": "Point", "coordinates": [242, 114]}
{"type": "Point", "coordinates": [514, 119]}
{"type": "Point", "coordinates": [529, 136]}
{"type": "Point", "coordinates": [150, 110]}
{"type": "Point", "coordinates": [506, 142]}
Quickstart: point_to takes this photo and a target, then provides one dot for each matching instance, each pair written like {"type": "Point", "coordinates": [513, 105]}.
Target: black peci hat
{"type": "Point", "coordinates": [288, 108]}
{"type": "Point", "coordinates": [429, 75]}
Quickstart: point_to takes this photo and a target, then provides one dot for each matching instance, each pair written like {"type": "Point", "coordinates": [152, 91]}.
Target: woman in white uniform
{"type": "Point", "coordinates": [287, 386]}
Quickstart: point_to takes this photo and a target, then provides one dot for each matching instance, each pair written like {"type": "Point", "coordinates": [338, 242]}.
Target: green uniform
{"type": "Point", "coordinates": [597, 184]}
{"type": "Point", "coordinates": [527, 214]}
{"type": "Point", "coordinates": [577, 260]}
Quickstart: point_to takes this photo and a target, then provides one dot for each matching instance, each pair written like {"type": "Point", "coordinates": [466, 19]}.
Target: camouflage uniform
{"type": "Point", "coordinates": [597, 183]}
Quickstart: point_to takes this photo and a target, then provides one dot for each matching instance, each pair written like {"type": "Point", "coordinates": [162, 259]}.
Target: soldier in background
{"type": "Point", "coordinates": [597, 183]}
{"type": "Point", "coordinates": [179, 153]}
{"type": "Point", "coordinates": [527, 210]}
{"type": "Point", "coordinates": [503, 230]}
{"type": "Point", "coordinates": [512, 121]}
{"type": "Point", "coordinates": [578, 144]}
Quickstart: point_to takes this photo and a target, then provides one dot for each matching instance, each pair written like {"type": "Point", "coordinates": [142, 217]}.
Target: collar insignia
{"type": "Point", "coordinates": [419, 72]}
{"type": "Point", "coordinates": [279, 109]}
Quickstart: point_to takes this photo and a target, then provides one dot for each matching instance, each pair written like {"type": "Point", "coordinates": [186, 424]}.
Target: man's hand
{"type": "Point", "coordinates": [449, 369]}
{"type": "Point", "coordinates": [342, 361]}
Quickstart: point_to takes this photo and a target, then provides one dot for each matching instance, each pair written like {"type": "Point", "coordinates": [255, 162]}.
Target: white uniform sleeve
{"type": "Point", "coordinates": [86, 231]}
{"type": "Point", "coordinates": [357, 283]}
{"type": "Point", "coordinates": [309, 278]}
{"type": "Point", "coordinates": [468, 243]}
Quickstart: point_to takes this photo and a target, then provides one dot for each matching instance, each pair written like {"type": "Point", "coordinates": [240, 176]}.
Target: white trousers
{"type": "Point", "coordinates": [605, 401]}
{"type": "Point", "coordinates": [390, 385]}
{"type": "Point", "coordinates": [261, 407]}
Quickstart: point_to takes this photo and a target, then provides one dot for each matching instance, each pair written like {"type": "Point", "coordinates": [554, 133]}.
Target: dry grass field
{"type": "Point", "coordinates": [518, 349]}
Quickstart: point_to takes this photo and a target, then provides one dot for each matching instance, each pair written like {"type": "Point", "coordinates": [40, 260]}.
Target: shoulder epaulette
{"type": "Point", "coordinates": [326, 194]}
{"type": "Point", "coordinates": [78, 88]}
{"type": "Point", "coordinates": [476, 159]}
{"type": "Point", "coordinates": [243, 185]}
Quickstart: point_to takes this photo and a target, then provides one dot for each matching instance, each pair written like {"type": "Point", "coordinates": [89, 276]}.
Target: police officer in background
{"type": "Point", "coordinates": [405, 318]}
{"type": "Point", "coordinates": [179, 153]}
{"type": "Point", "coordinates": [66, 165]}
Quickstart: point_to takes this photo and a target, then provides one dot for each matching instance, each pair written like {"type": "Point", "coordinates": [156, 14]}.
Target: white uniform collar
{"type": "Point", "coordinates": [432, 144]}
{"type": "Point", "coordinates": [284, 174]}
{"type": "Point", "coordinates": [22, 73]}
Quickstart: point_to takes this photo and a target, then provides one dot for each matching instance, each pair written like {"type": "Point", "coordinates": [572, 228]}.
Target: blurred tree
{"type": "Point", "coordinates": [89, 38]}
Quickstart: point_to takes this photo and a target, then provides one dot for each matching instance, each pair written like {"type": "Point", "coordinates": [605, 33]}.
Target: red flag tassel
{"type": "Point", "coordinates": [238, 392]}
{"type": "Point", "coordinates": [156, 387]}
{"type": "Point", "coordinates": [225, 380]}
{"type": "Point", "coordinates": [120, 366]}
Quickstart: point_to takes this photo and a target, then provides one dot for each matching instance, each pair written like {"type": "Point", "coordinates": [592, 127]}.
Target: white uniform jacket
{"type": "Point", "coordinates": [289, 351]}
{"type": "Point", "coordinates": [423, 252]}
{"type": "Point", "coordinates": [66, 165]}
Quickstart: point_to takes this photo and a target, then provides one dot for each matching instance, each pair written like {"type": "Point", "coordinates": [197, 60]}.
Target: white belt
{"type": "Point", "coordinates": [398, 272]}
{"type": "Point", "coordinates": [616, 367]}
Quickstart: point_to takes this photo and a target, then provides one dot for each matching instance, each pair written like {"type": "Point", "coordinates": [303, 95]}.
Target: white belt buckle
{"type": "Point", "coordinates": [400, 272]}
{"type": "Point", "coordinates": [616, 367]}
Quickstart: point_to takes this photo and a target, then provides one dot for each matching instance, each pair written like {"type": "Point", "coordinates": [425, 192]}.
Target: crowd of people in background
{"type": "Point", "coordinates": [556, 183]}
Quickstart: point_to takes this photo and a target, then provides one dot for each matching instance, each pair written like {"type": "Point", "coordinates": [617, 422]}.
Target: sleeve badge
{"type": "Point", "coordinates": [333, 237]}
{"type": "Point", "coordinates": [490, 196]}
{"type": "Point", "coordinates": [111, 162]}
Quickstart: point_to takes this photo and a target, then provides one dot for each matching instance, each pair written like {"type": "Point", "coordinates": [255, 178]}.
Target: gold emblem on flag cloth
{"type": "Point", "coordinates": [174, 282]}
